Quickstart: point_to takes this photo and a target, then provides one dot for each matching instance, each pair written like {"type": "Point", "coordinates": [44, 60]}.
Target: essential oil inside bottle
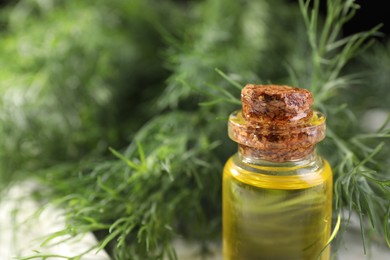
{"type": "Point", "coordinates": [277, 192]}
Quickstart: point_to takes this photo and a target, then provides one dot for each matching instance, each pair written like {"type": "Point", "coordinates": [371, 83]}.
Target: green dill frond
{"type": "Point", "coordinates": [247, 40]}
{"type": "Point", "coordinates": [71, 76]}
{"type": "Point", "coordinates": [330, 51]}
{"type": "Point", "coordinates": [138, 203]}
{"type": "Point", "coordinates": [359, 173]}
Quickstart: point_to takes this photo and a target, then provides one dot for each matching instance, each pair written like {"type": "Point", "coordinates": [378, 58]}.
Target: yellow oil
{"type": "Point", "coordinates": [271, 215]}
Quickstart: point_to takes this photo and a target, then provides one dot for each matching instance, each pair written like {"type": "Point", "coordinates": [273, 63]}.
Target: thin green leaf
{"type": "Point", "coordinates": [228, 79]}
{"type": "Point", "coordinates": [124, 159]}
{"type": "Point", "coordinates": [386, 221]}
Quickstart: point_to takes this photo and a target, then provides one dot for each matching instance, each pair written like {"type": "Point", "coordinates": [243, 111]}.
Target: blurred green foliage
{"type": "Point", "coordinates": [77, 78]}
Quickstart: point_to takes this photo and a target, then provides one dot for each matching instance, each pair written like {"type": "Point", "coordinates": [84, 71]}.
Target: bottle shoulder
{"type": "Point", "coordinates": [288, 176]}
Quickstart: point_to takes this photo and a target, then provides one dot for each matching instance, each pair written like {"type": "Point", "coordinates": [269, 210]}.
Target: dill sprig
{"type": "Point", "coordinates": [69, 81]}
{"type": "Point", "coordinates": [359, 178]}
{"type": "Point", "coordinates": [361, 182]}
{"type": "Point", "coordinates": [329, 52]}
{"type": "Point", "coordinates": [137, 203]}
{"type": "Point", "coordinates": [228, 35]}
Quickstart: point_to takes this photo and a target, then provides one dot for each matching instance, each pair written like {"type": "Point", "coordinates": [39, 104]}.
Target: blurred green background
{"type": "Point", "coordinates": [118, 108]}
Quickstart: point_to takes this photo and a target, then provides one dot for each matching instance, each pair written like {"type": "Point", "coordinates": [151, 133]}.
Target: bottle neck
{"type": "Point", "coordinates": [290, 154]}
{"type": "Point", "coordinates": [271, 156]}
{"type": "Point", "coordinates": [307, 166]}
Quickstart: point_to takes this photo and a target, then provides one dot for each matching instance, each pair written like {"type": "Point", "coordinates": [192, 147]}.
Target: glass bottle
{"type": "Point", "coordinates": [277, 192]}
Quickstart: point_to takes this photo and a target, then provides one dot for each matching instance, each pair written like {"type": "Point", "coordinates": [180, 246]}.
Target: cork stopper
{"type": "Point", "coordinates": [276, 123]}
{"type": "Point", "coordinates": [276, 104]}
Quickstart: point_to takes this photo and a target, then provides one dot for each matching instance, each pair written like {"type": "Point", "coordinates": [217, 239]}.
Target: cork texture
{"type": "Point", "coordinates": [275, 103]}
{"type": "Point", "coordinates": [276, 123]}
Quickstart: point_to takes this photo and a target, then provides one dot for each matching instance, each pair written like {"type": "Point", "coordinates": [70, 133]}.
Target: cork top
{"type": "Point", "coordinates": [276, 123]}
{"type": "Point", "coordinates": [276, 104]}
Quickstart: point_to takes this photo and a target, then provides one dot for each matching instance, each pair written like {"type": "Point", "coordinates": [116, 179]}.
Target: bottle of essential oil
{"type": "Point", "coordinates": [277, 192]}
